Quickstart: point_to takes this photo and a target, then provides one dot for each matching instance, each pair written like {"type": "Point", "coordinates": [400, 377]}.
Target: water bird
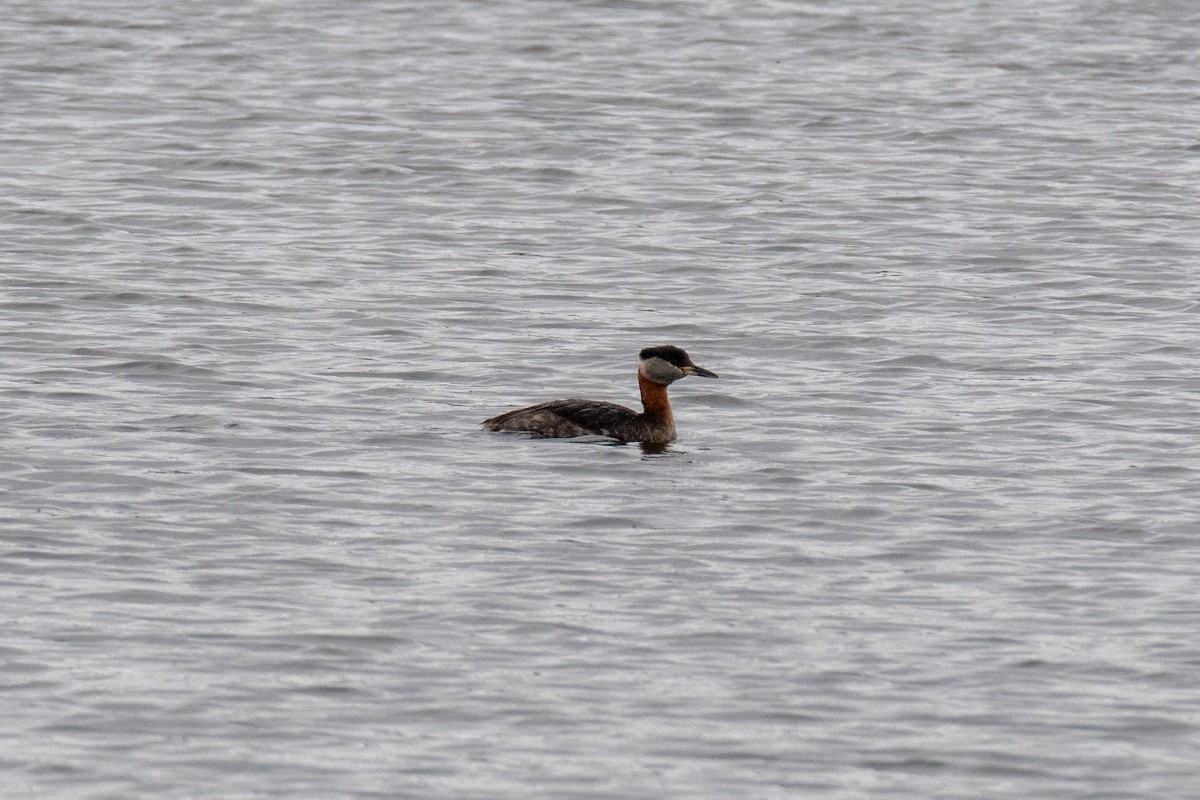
{"type": "Point", "coordinates": [658, 368]}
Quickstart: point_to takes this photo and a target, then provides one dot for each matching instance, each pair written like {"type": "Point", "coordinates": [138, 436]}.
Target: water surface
{"type": "Point", "coordinates": [267, 267]}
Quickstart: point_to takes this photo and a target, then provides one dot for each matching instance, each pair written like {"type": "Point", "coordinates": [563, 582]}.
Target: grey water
{"type": "Point", "coordinates": [266, 266]}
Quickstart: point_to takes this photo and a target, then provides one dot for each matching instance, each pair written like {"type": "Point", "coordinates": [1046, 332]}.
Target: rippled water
{"type": "Point", "coordinates": [268, 265]}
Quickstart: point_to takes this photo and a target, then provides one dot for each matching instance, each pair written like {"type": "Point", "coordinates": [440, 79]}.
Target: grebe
{"type": "Point", "coordinates": [659, 368]}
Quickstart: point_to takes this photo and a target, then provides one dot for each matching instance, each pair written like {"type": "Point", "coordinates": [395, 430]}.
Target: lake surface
{"type": "Point", "coordinates": [935, 533]}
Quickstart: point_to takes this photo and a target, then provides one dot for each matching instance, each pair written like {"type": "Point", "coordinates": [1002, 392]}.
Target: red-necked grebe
{"type": "Point", "coordinates": [659, 368]}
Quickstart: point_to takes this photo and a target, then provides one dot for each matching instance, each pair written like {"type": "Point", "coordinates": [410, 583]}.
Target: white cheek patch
{"type": "Point", "coordinates": [660, 371]}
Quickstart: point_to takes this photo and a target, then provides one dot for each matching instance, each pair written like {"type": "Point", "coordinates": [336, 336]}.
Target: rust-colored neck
{"type": "Point", "coordinates": [654, 400]}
